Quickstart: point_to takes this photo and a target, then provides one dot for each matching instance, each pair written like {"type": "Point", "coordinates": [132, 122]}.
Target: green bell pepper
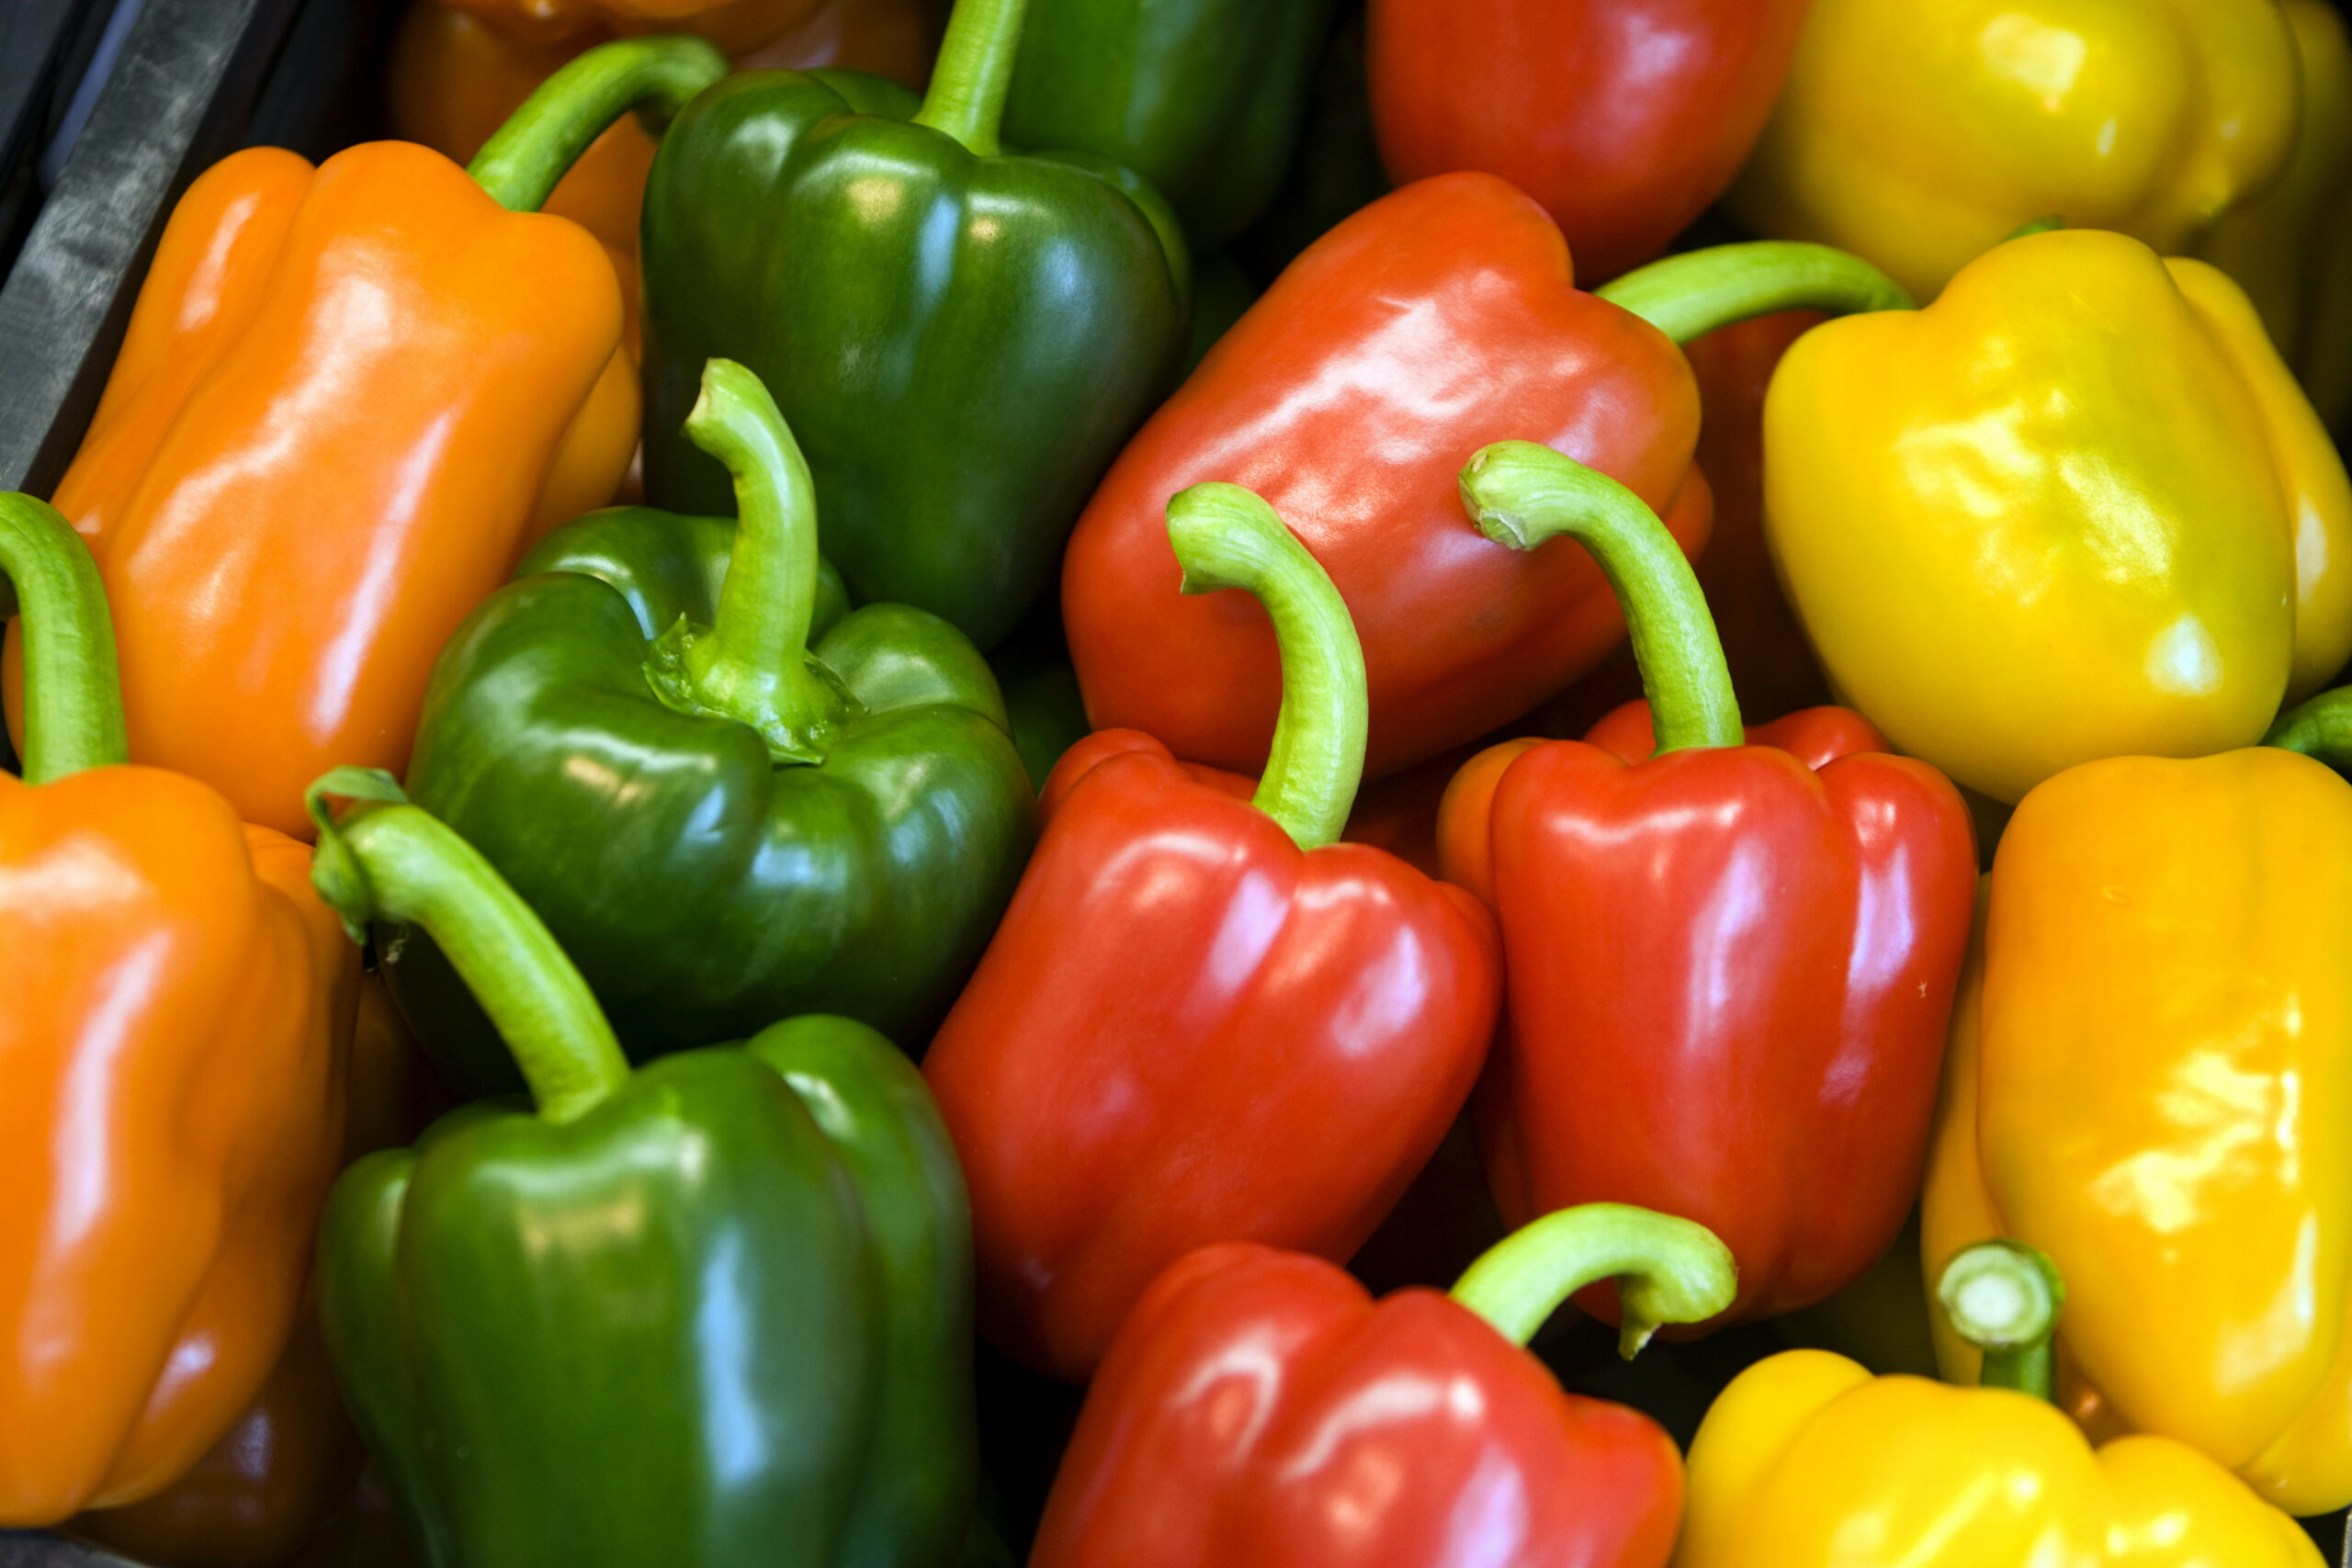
{"type": "Point", "coordinates": [962, 340]}
{"type": "Point", "coordinates": [1202, 97]}
{"type": "Point", "coordinates": [713, 1312]}
{"type": "Point", "coordinates": [722, 822]}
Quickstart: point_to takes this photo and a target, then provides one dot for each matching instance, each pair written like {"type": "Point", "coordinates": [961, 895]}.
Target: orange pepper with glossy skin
{"type": "Point", "coordinates": [177, 1011]}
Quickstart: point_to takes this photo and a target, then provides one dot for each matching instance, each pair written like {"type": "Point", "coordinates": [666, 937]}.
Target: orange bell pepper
{"type": "Point", "coordinates": [179, 1007]}
{"type": "Point", "coordinates": [350, 398]}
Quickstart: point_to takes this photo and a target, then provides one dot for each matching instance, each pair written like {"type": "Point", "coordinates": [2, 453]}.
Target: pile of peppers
{"type": "Point", "coordinates": [1107, 782]}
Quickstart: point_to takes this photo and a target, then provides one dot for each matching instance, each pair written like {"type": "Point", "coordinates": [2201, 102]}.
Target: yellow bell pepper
{"type": "Point", "coordinates": [2150, 1079]}
{"type": "Point", "coordinates": [1918, 132]}
{"type": "Point", "coordinates": [2077, 508]}
{"type": "Point", "coordinates": [2290, 248]}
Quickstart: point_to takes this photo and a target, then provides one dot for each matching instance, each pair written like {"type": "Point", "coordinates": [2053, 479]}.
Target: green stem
{"type": "Point", "coordinates": [2319, 727]}
{"type": "Point", "coordinates": [1668, 1270]}
{"type": "Point", "coordinates": [973, 73]}
{"type": "Point", "coordinates": [539, 143]}
{"type": "Point", "coordinates": [2032, 226]}
{"type": "Point", "coordinates": [1522, 494]}
{"type": "Point", "coordinates": [753, 665]}
{"type": "Point", "coordinates": [72, 691]}
{"type": "Point", "coordinates": [389, 861]}
{"type": "Point", "coordinates": [1690, 295]}
{"type": "Point", "coordinates": [2003, 1298]}
{"type": "Point", "coordinates": [1224, 536]}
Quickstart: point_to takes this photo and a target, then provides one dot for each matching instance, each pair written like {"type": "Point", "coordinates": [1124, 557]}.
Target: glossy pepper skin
{"type": "Point", "coordinates": [1203, 1020]}
{"type": "Point", "coordinates": [1623, 118]}
{"type": "Point", "coordinates": [1918, 132]}
{"type": "Point", "coordinates": [2076, 508]}
{"type": "Point", "coordinates": [1259, 1409]}
{"type": "Point", "coordinates": [1202, 97]}
{"type": "Point", "coordinates": [764, 1360]}
{"type": "Point", "coordinates": [787, 824]}
{"type": "Point", "coordinates": [960, 338]}
{"type": "Point", "coordinates": [1807, 1456]}
{"type": "Point", "coordinates": [1730, 966]}
{"type": "Point", "coordinates": [174, 1034]}
{"type": "Point", "coordinates": [2163, 959]}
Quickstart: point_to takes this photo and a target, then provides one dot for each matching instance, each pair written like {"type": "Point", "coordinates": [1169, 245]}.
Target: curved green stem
{"type": "Point", "coordinates": [1668, 1270]}
{"type": "Point", "coordinates": [1522, 494]}
{"type": "Point", "coordinates": [389, 861]}
{"type": "Point", "coordinates": [2003, 1298]}
{"type": "Point", "coordinates": [973, 74]}
{"type": "Point", "coordinates": [753, 665]}
{"type": "Point", "coordinates": [2319, 727]}
{"type": "Point", "coordinates": [1690, 295]}
{"type": "Point", "coordinates": [72, 691]}
{"type": "Point", "coordinates": [1226, 537]}
{"type": "Point", "coordinates": [539, 143]}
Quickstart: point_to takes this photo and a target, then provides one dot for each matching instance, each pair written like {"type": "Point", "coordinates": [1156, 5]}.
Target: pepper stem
{"type": "Point", "coordinates": [974, 72]}
{"type": "Point", "coordinates": [2003, 1298]}
{"type": "Point", "coordinates": [1522, 494]}
{"type": "Point", "coordinates": [72, 691]}
{"type": "Point", "coordinates": [2321, 729]}
{"type": "Point", "coordinates": [1690, 295]}
{"type": "Point", "coordinates": [1668, 1270]}
{"type": "Point", "coordinates": [523, 161]}
{"type": "Point", "coordinates": [1226, 537]}
{"type": "Point", "coordinates": [389, 861]}
{"type": "Point", "coordinates": [753, 666]}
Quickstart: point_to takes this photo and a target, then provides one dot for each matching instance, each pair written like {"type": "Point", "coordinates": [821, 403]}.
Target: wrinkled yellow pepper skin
{"type": "Point", "coordinates": [1918, 132]}
{"type": "Point", "coordinates": [1808, 1462]}
{"type": "Point", "coordinates": [2077, 508]}
{"type": "Point", "coordinates": [2150, 1079]}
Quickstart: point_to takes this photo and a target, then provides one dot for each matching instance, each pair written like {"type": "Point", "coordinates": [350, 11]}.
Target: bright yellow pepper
{"type": "Point", "coordinates": [1918, 132]}
{"type": "Point", "coordinates": [1808, 1462]}
{"type": "Point", "coordinates": [2077, 508]}
{"type": "Point", "coordinates": [2150, 1079]}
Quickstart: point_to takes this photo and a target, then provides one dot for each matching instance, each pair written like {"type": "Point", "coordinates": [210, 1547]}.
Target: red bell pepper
{"type": "Point", "coordinates": [1350, 395]}
{"type": "Point", "coordinates": [1203, 1020]}
{"type": "Point", "coordinates": [1730, 966]}
{"type": "Point", "coordinates": [1258, 1411]}
{"type": "Point", "coordinates": [1623, 118]}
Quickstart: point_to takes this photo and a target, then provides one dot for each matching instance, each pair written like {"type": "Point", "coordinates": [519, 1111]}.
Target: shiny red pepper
{"type": "Point", "coordinates": [1730, 966]}
{"type": "Point", "coordinates": [1623, 118]}
{"type": "Point", "coordinates": [1202, 1019]}
{"type": "Point", "coordinates": [1257, 1410]}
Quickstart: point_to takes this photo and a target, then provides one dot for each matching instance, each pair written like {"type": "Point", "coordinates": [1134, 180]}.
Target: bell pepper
{"type": "Point", "coordinates": [2149, 1068]}
{"type": "Point", "coordinates": [1202, 1019]}
{"type": "Point", "coordinates": [1259, 1408]}
{"type": "Point", "coordinates": [1335, 170]}
{"type": "Point", "coordinates": [2076, 508]}
{"type": "Point", "coordinates": [177, 1016]}
{"type": "Point", "coordinates": [1202, 97]}
{"type": "Point", "coordinates": [960, 338]}
{"type": "Point", "coordinates": [1806, 1460]}
{"type": "Point", "coordinates": [1918, 132]}
{"type": "Point", "coordinates": [641, 723]}
{"type": "Point", "coordinates": [1350, 395]}
{"type": "Point", "coordinates": [715, 1310]}
{"type": "Point", "coordinates": [1730, 964]}
{"type": "Point", "coordinates": [386, 331]}
{"type": "Point", "coordinates": [1623, 118]}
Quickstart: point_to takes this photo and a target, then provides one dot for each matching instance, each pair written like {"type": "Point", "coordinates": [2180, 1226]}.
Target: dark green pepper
{"type": "Point", "coordinates": [713, 1312]}
{"type": "Point", "coordinates": [962, 340]}
{"type": "Point", "coordinates": [722, 822]}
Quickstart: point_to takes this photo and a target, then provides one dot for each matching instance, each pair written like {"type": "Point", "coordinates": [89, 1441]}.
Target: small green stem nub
{"type": "Point", "coordinates": [72, 691]}
{"type": "Point", "coordinates": [2003, 1298]}
{"type": "Point", "coordinates": [973, 74]}
{"type": "Point", "coordinates": [1522, 494]}
{"type": "Point", "coordinates": [753, 666]}
{"type": "Point", "coordinates": [2032, 226]}
{"type": "Point", "coordinates": [1668, 1270]}
{"type": "Point", "coordinates": [2319, 727]}
{"type": "Point", "coordinates": [524, 158]}
{"type": "Point", "coordinates": [1689, 295]}
{"type": "Point", "coordinates": [1226, 537]}
{"type": "Point", "coordinates": [389, 861]}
